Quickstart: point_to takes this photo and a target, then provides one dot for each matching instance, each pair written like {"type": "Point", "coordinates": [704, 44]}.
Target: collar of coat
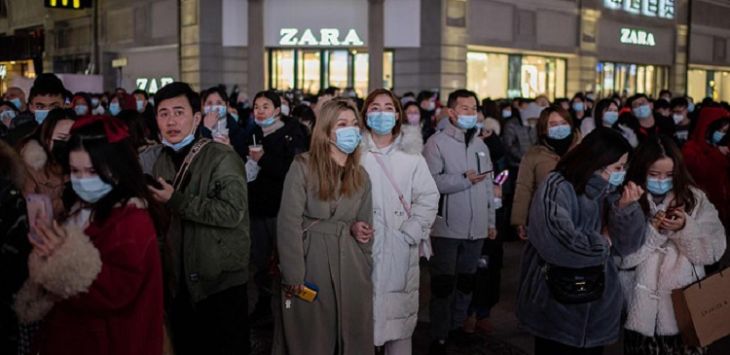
{"type": "Point", "coordinates": [596, 186]}
{"type": "Point", "coordinates": [409, 141]}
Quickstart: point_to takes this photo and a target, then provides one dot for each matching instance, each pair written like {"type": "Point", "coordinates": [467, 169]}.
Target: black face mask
{"type": "Point", "coordinates": [60, 152]}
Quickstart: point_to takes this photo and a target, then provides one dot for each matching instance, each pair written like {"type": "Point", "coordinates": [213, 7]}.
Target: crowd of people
{"type": "Point", "coordinates": [134, 224]}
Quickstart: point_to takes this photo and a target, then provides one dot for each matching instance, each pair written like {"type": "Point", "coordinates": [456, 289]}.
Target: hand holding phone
{"type": "Point", "coordinates": [152, 181]}
{"type": "Point", "coordinates": [40, 213]}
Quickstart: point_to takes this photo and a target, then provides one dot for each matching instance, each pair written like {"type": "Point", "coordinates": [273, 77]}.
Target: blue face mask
{"type": "Point", "coordinates": [691, 107]}
{"type": "Point", "coordinates": [616, 178]}
{"type": "Point", "coordinates": [466, 121]}
{"type": "Point", "coordinates": [220, 109]}
{"type": "Point", "coordinates": [717, 137]}
{"type": "Point", "coordinates": [90, 189]}
{"type": "Point", "coordinates": [140, 105]}
{"type": "Point", "coordinates": [268, 121]}
{"type": "Point", "coordinates": [506, 113]}
{"type": "Point", "coordinates": [578, 106]}
{"type": "Point", "coordinates": [659, 187]}
{"type": "Point", "coordinates": [40, 116]}
{"type": "Point", "coordinates": [81, 110]}
{"type": "Point", "coordinates": [610, 118]}
{"type": "Point", "coordinates": [16, 101]}
{"type": "Point", "coordinates": [8, 115]}
{"type": "Point", "coordinates": [181, 144]}
{"type": "Point", "coordinates": [94, 102]}
{"type": "Point", "coordinates": [380, 122]}
{"type": "Point", "coordinates": [559, 132]}
{"type": "Point", "coordinates": [348, 138]}
{"type": "Point", "coordinates": [114, 108]}
{"type": "Point", "coordinates": [642, 112]}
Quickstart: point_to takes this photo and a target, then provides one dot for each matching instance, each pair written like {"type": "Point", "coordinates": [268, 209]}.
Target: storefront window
{"type": "Point", "coordinates": [320, 68]}
{"type": "Point", "coordinates": [708, 83]}
{"type": "Point", "coordinates": [509, 75]}
{"type": "Point", "coordinates": [697, 87]}
{"type": "Point", "coordinates": [15, 69]}
{"type": "Point", "coordinates": [630, 78]}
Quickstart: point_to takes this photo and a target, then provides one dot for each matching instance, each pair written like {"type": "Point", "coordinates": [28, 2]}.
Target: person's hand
{"type": "Point", "coordinates": [474, 177]}
{"type": "Point", "coordinates": [211, 119]}
{"type": "Point", "coordinates": [292, 290]}
{"type": "Point", "coordinates": [674, 220]}
{"type": "Point", "coordinates": [362, 232]}
{"type": "Point", "coordinates": [222, 138]}
{"type": "Point", "coordinates": [256, 155]}
{"type": "Point", "coordinates": [492, 234]}
{"type": "Point", "coordinates": [522, 232]}
{"type": "Point", "coordinates": [52, 237]}
{"type": "Point", "coordinates": [498, 191]}
{"type": "Point", "coordinates": [656, 221]}
{"type": "Point", "coordinates": [631, 194]}
{"type": "Point", "coordinates": [724, 150]}
{"type": "Point", "coordinates": [162, 195]}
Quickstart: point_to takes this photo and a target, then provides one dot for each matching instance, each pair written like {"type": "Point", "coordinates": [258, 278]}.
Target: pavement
{"type": "Point", "coordinates": [506, 339]}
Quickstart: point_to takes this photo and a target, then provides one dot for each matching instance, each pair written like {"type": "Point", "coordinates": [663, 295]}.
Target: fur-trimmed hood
{"type": "Point", "coordinates": [34, 155]}
{"type": "Point", "coordinates": [409, 141]}
{"type": "Point", "coordinates": [11, 167]}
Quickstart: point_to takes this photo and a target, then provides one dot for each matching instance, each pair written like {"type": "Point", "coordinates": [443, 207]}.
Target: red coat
{"type": "Point", "coordinates": [122, 312]}
{"type": "Point", "coordinates": [709, 168]}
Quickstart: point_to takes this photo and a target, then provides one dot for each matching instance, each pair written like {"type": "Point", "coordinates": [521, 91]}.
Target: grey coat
{"type": "Point", "coordinates": [326, 255]}
{"type": "Point", "coordinates": [466, 210]}
{"type": "Point", "coordinates": [517, 139]}
{"type": "Point", "coordinates": [565, 230]}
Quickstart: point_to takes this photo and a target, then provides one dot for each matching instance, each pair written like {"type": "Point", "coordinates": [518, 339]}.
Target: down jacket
{"type": "Point", "coordinates": [466, 210]}
{"type": "Point", "coordinates": [668, 261]}
{"type": "Point", "coordinates": [397, 237]}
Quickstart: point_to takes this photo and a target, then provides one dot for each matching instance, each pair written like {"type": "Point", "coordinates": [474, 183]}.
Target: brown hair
{"type": "Point", "coordinates": [396, 103]}
{"type": "Point", "coordinates": [328, 175]}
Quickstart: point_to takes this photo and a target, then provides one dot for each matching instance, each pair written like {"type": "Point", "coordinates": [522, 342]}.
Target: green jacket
{"type": "Point", "coordinates": [212, 209]}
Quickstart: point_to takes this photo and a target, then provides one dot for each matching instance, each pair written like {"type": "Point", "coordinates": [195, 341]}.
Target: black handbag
{"type": "Point", "coordinates": [575, 286]}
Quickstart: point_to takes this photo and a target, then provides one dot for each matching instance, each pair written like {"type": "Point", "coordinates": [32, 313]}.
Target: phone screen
{"type": "Point", "coordinates": [40, 212]}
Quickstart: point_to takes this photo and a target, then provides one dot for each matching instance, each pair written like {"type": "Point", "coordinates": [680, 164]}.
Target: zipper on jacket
{"type": "Point", "coordinates": [469, 235]}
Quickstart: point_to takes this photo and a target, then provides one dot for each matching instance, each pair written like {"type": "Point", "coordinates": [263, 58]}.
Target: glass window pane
{"type": "Point", "coordinates": [361, 74]}
{"type": "Point", "coordinates": [641, 79]}
{"type": "Point", "coordinates": [486, 74]}
{"type": "Point", "coordinates": [388, 70]}
{"type": "Point", "coordinates": [309, 71]}
{"type": "Point", "coordinates": [697, 84]}
{"type": "Point", "coordinates": [609, 83]}
{"type": "Point", "coordinates": [560, 75]}
{"type": "Point", "coordinates": [651, 80]}
{"type": "Point", "coordinates": [338, 63]}
{"type": "Point", "coordinates": [282, 71]}
{"type": "Point", "coordinates": [723, 87]}
{"type": "Point", "coordinates": [534, 76]}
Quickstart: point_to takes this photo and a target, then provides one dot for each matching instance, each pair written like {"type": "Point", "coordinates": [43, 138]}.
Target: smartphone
{"type": "Point", "coordinates": [501, 178]}
{"type": "Point", "coordinates": [309, 292]}
{"type": "Point", "coordinates": [480, 156]}
{"type": "Point", "coordinates": [40, 212]}
{"type": "Point", "coordinates": [152, 181]}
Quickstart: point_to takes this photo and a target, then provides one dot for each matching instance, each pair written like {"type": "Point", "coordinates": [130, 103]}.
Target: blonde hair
{"type": "Point", "coordinates": [328, 174]}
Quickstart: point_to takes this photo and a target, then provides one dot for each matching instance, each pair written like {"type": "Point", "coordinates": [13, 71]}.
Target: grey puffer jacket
{"type": "Point", "coordinates": [565, 230]}
{"type": "Point", "coordinates": [466, 211]}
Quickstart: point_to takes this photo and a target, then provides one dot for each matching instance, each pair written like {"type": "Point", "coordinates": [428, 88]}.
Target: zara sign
{"type": "Point", "coordinates": [326, 37]}
{"type": "Point", "coordinates": [637, 37]}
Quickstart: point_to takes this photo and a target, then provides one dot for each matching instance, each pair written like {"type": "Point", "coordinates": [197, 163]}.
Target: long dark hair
{"type": "Point", "coordinates": [603, 105]}
{"type": "Point", "coordinates": [117, 165]}
{"type": "Point", "coordinates": [600, 148]}
{"type": "Point", "coordinates": [651, 151]}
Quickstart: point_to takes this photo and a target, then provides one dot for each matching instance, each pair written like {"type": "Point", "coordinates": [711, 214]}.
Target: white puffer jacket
{"type": "Point", "coordinates": [665, 262]}
{"type": "Point", "coordinates": [397, 237]}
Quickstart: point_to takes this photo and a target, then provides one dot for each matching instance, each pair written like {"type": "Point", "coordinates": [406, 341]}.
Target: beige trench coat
{"type": "Point", "coordinates": [340, 320]}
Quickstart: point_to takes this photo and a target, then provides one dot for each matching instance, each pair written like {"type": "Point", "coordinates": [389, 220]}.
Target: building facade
{"type": "Point", "coordinates": [498, 48]}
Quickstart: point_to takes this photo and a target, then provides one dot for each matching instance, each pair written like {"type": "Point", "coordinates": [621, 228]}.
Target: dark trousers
{"type": "Point", "coordinates": [217, 325]}
{"type": "Point", "coordinates": [263, 242]}
{"type": "Point", "coordinates": [548, 347]}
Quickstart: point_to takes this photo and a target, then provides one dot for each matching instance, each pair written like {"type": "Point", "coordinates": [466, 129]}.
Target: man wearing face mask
{"type": "Point", "coordinates": [17, 97]}
{"type": "Point", "coordinates": [644, 123]}
{"type": "Point", "coordinates": [466, 217]}
{"type": "Point", "coordinates": [682, 122]}
{"type": "Point", "coordinates": [46, 94]}
{"type": "Point", "coordinates": [203, 184]}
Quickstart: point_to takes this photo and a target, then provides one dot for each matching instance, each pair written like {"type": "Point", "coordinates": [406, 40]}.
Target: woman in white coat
{"type": "Point", "coordinates": [684, 234]}
{"type": "Point", "coordinates": [405, 201]}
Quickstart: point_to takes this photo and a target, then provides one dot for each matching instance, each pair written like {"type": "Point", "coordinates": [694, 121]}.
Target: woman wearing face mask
{"type": "Point", "coordinates": [578, 220]}
{"type": "Point", "coordinates": [8, 112]}
{"type": "Point", "coordinates": [324, 240]}
{"type": "Point", "coordinates": [218, 125]}
{"type": "Point", "coordinates": [414, 117]}
{"type": "Point", "coordinates": [556, 135]}
{"type": "Point", "coordinates": [405, 199]}
{"type": "Point", "coordinates": [578, 109]}
{"type": "Point", "coordinates": [683, 235]}
{"type": "Point", "coordinates": [275, 142]}
{"type": "Point", "coordinates": [98, 287]}
{"type": "Point", "coordinates": [81, 104]}
{"type": "Point", "coordinates": [45, 154]}
{"type": "Point", "coordinates": [426, 101]}
{"type": "Point", "coordinates": [707, 158]}
{"type": "Point", "coordinates": [606, 114]}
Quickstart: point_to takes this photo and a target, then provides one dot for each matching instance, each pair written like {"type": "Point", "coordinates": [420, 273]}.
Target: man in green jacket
{"type": "Point", "coordinates": [203, 184]}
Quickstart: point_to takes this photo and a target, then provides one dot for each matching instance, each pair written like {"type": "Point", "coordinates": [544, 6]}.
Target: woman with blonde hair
{"type": "Point", "coordinates": [324, 242]}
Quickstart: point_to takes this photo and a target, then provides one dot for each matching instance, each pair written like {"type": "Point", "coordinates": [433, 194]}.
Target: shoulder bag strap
{"type": "Point", "coordinates": [179, 177]}
{"type": "Point", "coordinates": [402, 199]}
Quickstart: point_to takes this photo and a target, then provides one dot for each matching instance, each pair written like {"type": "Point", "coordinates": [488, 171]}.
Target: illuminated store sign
{"type": "Point", "coordinates": [328, 37]}
{"type": "Point", "coordinates": [651, 8]}
{"type": "Point", "coordinates": [637, 37]}
{"type": "Point", "coordinates": [151, 84]}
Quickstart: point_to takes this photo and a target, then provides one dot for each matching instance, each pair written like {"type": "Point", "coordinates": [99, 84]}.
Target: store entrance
{"type": "Point", "coordinates": [631, 78]}
{"type": "Point", "coordinates": [311, 70]}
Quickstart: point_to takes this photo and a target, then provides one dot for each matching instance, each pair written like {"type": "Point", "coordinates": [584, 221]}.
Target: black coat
{"type": "Point", "coordinates": [236, 134]}
{"type": "Point", "coordinates": [280, 147]}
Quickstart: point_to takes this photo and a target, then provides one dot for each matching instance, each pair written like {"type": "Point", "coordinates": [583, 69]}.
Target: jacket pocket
{"type": "Point", "coordinates": [397, 261]}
